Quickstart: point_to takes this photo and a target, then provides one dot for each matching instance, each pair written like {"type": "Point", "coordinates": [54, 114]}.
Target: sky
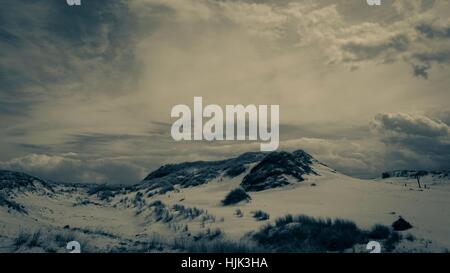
{"type": "Point", "coordinates": [86, 91]}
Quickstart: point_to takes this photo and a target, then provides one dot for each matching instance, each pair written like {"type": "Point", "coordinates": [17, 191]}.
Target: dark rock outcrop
{"type": "Point", "coordinates": [401, 225]}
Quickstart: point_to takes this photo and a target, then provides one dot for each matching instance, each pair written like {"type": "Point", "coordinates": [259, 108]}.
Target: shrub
{"type": "Point", "coordinates": [166, 188]}
{"type": "Point", "coordinates": [178, 207]}
{"type": "Point", "coordinates": [209, 234]}
{"type": "Point", "coordinates": [393, 239]}
{"type": "Point", "coordinates": [238, 213]}
{"type": "Point", "coordinates": [410, 237]}
{"type": "Point", "coordinates": [281, 221]}
{"type": "Point", "coordinates": [379, 232]}
{"type": "Point", "coordinates": [216, 246]}
{"type": "Point", "coordinates": [63, 238]}
{"type": "Point", "coordinates": [156, 203]}
{"type": "Point", "coordinates": [235, 196]}
{"type": "Point", "coordinates": [307, 234]}
{"type": "Point", "coordinates": [191, 213]}
{"type": "Point", "coordinates": [99, 188]}
{"type": "Point", "coordinates": [21, 239]}
{"type": "Point", "coordinates": [208, 218]}
{"type": "Point", "coordinates": [12, 205]}
{"type": "Point", "coordinates": [260, 215]}
{"type": "Point", "coordinates": [105, 195]}
{"type": "Point", "coordinates": [35, 239]}
{"type": "Point", "coordinates": [83, 202]}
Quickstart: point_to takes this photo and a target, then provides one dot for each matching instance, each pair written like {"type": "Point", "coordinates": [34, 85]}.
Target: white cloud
{"type": "Point", "coordinates": [69, 168]}
{"type": "Point", "coordinates": [407, 124]}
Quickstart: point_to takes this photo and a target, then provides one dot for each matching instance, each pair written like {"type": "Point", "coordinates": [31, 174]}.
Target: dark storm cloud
{"type": "Point", "coordinates": [426, 59]}
{"type": "Point", "coordinates": [47, 43]}
{"type": "Point", "coordinates": [422, 141]}
{"type": "Point", "coordinates": [422, 40]}
{"type": "Point", "coordinates": [422, 61]}
{"type": "Point", "coordinates": [385, 50]}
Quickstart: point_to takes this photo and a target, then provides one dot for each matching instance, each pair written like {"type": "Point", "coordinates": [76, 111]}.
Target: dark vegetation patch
{"type": "Point", "coordinates": [190, 174]}
{"type": "Point", "coordinates": [272, 171]}
{"type": "Point", "coordinates": [410, 237]}
{"type": "Point", "coordinates": [29, 240]}
{"type": "Point", "coordinates": [97, 231]}
{"type": "Point", "coordinates": [63, 238]}
{"type": "Point", "coordinates": [261, 215]}
{"type": "Point", "coordinates": [84, 202]}
{"type": "Point", "coordinates": [166, 187]}
{"type": "Point", "coordinates": [138, 200]}
{"type": "Point", "coordinates": [235, 171]}
{"type": "Point", "coordinates": [379, 232]}
{"type": "Point", "coordinates": [393, 239]}
{"type": "Point", "coordinates": [15, 180]}
{"type": "Point", "coordinates": [208, 234]}
{"type": "Point", "coordinates": [308, 234]}
{"type": "Point", "coordinates": [21, 239]}
{"type": "Point", "coordinates": [51, 241]}
{"type": "Point", "coordinates": [156, 203]}
{"type": "Point", "coordinates": [35, 239]}
{"type": "Point", "coordinates": [105, 195]}
{"type": "Point", "coordinates": [98, 189]}
{"type": "Point", "coordinates": [239, 213]}
{"type": "Point", "coordinates": [105, 192]}
{"type": "Point", "coordinates": [162, 213]}
{"type": "Point", "coordinates": [219, 245]}
{"type": "Point", "coordinates": [189, 213]}
{"type": "Point", "coordinates": [235, 196]}
{"type": "Point", "coordinates": [5, 202]}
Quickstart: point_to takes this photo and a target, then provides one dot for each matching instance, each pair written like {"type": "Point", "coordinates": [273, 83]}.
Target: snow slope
{"type": "Point", "coordinates": [136, 214]}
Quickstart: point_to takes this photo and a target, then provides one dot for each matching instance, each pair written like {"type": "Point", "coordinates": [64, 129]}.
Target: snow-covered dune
{"type": "Point", "coordinates": [185, 201]}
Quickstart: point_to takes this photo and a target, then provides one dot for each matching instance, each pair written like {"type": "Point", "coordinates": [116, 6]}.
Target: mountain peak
{"type": "Point", "coordinates": [273, 171]}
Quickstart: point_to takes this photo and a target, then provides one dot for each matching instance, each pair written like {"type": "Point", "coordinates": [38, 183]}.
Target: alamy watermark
{"type": "Point", "coordinates": [73, 2]}
{"type": "Point", "coordinates": [374, 2]}
{"type": "Point", "coordinates": [235, 121]}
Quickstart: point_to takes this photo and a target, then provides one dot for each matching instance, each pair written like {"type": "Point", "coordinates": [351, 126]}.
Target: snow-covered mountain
{"type": "Point", "coordinates": [179, 207]}
{"type": "Point", "coordinates": [272, 170]}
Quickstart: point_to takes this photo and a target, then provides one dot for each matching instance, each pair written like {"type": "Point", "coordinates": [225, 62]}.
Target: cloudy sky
{"type": "Point", "coordinates": [86, 92]}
